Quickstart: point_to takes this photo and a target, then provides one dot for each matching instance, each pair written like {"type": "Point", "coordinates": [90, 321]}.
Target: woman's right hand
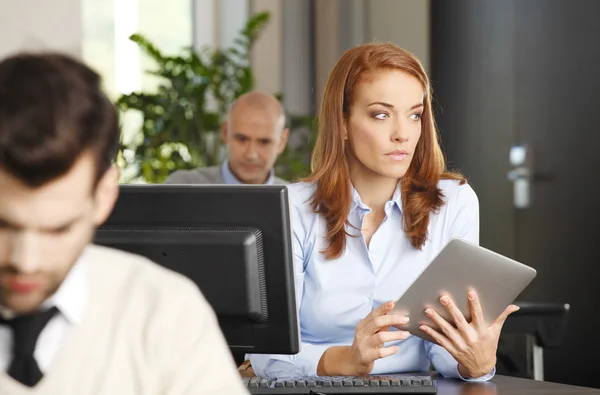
{"type": "Point", "coordinates": [368, 346]}
{"type": "Point", "coordinates": [371, 334]}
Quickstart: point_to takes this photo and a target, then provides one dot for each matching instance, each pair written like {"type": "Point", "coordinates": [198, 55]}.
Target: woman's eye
{"type": "Point", "coordinates": [416, 117]}
{"type": "Point", "coordinates": [381, 115]}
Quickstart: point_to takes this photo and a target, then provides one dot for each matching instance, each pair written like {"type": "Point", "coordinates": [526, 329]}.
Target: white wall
{"type": "Point", "coordinates": [231, 18]}
{"type": "Point", "coordinates": [341, 24]}
{"type": "Point", "coordinates": [40, 25]}
{"type": "Point", "coordinates": [327, 44]}
{"type": "Point", "coordinates": [338, 24]}
{"type": "Point", "coordinates": [205, 32]}
{"type": "Point", "coordinates": [402, 22]}
{"type": "Point", "coordinates": [297, 74]}
{"type": "Point", "coordinates": [267, 51]}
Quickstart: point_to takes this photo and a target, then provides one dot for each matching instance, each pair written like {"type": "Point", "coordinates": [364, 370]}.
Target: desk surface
{"type": "Point", "coordinates": [504, 385]}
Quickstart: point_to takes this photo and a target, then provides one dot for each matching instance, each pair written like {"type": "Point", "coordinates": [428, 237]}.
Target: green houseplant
{"type": "Point", "coordinates": [182, 119]}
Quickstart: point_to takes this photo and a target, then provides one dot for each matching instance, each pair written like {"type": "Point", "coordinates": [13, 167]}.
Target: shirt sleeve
{"type": "Point", "coordinates": [446, 365]}
{"type": "Point", "coordinates": [195, 358]}
{"type": "Point", "coordinates": [177, 177]}
{"type": "Point", "coordinates": [306, 361]}
{"type": "Point", "coordinates": [465, 226]}
{"type": "Point", "coordinates": [303, 364]}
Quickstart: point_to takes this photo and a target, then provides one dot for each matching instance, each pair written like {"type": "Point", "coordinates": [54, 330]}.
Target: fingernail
{"type": "Point", "coordinates": [389, 304]}
{"type": "Point", "coordinates": [445, 300]}
{"type": "Point", "coordinates": [472, 295]}
{"type": "Point", "coordinates": [403, 320]}
{"type": "Point", "coordinates": [428, 312]}
{"type": "Point", "coordinates": [422, 327]}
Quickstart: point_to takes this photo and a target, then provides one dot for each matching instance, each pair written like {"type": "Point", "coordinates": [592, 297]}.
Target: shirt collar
{"type": "Point", "coordinates": [395, 201]}
{"type": "Point", "coordinates": [70, 296]}
{"type": "Point", "coordinates": [230, 178]}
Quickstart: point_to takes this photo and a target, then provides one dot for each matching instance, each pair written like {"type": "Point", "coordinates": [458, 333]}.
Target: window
{"type": "Point", "coordinates": [107, 26]}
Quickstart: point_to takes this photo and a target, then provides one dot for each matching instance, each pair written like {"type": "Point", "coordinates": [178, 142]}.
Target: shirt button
{"type": "Point", "coordinates": [370, 296]}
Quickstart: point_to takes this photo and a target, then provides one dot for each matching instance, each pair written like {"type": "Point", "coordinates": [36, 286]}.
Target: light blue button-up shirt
{"type": "Point", "coordinates": [333, 296]}
{"type": "Point", "coordinates": [230, 178]}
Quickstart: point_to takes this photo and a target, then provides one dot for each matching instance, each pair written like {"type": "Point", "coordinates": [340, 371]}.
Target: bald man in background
{"type": "Point", "coordinates": [255, 135]}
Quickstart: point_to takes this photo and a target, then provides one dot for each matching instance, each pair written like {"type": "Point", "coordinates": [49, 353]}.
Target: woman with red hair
{"type": "Point", "coordinates": [378, 206]}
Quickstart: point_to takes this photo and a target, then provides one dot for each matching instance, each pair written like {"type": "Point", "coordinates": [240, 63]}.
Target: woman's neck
{"type": "Point", "coordinates": [374, 190]}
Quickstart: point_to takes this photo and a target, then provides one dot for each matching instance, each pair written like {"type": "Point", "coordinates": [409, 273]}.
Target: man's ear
{"type": "Point", "coordinates": [224, 129]}
{"type": "Point", "coordinates": [107, 192]}
{"type": "Point", "coordinates": [283, 140]}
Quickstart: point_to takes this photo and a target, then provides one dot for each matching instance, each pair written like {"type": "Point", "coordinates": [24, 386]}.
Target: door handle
{"type": "Point", "coordinates": [520, 159]}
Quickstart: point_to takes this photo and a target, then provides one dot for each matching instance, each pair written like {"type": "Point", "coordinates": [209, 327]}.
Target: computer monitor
{"type": "Point", "coordinates": [234, 242]}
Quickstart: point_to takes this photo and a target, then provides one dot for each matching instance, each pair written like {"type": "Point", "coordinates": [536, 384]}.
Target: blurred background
{"type": "Point", "coordinates": [516, 89]}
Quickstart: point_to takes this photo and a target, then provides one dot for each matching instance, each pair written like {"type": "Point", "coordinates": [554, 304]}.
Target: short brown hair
{"type": "Point", "coordinates": [52, 110]}
{"type": "Point", "coordinates": [419, 186]}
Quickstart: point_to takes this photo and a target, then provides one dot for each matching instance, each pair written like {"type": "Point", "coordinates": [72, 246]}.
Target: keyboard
{"type": "Point", "coordinates": [389, 384]}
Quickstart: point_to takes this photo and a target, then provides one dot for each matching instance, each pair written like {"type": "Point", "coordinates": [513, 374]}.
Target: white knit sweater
{"type": "Point", "coordinates": [145, 330]}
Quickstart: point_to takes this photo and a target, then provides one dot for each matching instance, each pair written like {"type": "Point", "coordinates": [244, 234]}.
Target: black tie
{"type": "Point", "coordinates": [26, 329]}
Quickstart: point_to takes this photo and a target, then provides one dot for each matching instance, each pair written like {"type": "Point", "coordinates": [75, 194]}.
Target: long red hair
{"type": "Point", "coordinates": [419, 186]}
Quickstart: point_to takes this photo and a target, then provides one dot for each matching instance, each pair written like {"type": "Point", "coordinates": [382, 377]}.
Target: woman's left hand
{"type": "Point", "coordinates": [473, 344]}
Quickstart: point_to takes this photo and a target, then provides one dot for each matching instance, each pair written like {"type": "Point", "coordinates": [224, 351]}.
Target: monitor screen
{"type": "Point", "coordinates": [233, 241]}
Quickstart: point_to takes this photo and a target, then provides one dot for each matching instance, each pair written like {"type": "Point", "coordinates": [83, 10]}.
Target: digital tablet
{"type": "Point", "coordinates": [459, 267]}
